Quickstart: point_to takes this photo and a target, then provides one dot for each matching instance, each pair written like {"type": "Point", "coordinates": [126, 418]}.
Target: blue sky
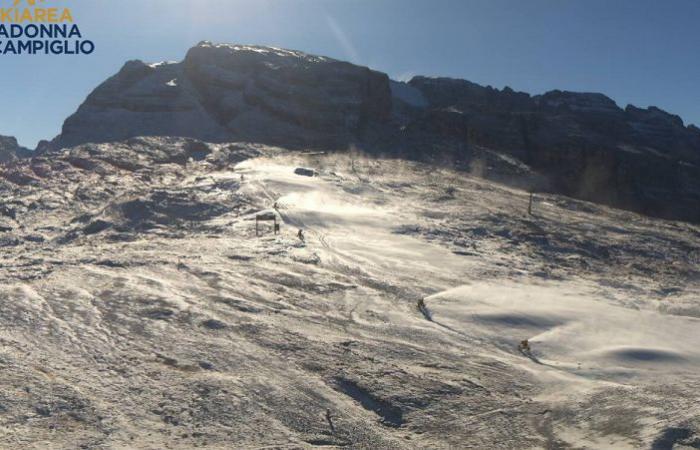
{"type": "Point", "coordinates": [644, 52]}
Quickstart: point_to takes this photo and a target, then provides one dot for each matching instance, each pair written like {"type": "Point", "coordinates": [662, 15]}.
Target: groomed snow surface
{"type": "Point", "coordinates": [140, 310]}
{"type": "Point", "coordinates": [579, 340]}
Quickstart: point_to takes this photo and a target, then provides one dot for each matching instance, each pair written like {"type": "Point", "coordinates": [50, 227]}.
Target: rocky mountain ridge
{"type": "Point", "coordinates": [10, 150]}
{"type": "Point", "coordinates": [232, 93]}
{"type": "Point", "coordinates": [578, 144]}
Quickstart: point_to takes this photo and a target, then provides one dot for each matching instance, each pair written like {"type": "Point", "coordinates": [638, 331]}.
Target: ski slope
{"type": "Point", "coordinates": [140, 309]}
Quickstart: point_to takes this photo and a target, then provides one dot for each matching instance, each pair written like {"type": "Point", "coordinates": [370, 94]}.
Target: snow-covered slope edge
{"type": "Point", "coordinates": [140, 310]}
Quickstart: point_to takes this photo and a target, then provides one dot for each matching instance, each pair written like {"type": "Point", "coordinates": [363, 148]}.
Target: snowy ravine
{"type": "Point", "coordinates": [140, 310]}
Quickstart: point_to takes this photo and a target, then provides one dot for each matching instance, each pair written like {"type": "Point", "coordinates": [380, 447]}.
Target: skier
{"type": "Point", "coordinates": [300, 235]}
{"type": "Point", "coordinates": [525, 348]}
{"type": "Point", "coordinates": [329, 418]}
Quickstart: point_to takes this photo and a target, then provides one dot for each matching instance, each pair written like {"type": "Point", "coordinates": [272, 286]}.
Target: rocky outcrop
{"type": "Point", "coordinates": [233, 92]}
{"type": "Point", "coordinates": [141, 99]}
{"type": "Point", "coordinates": [579, 144]}
{"type": "Point", "coordinates": [10, 150]}
{"type": "Point", "coordinates": [645, 160]}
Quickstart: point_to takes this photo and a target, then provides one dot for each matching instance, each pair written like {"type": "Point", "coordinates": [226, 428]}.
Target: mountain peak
{"type": "Point", "coordinates": [261, 51]}
{"type": "Point", "coordinates": [226, 92]}
{"type": "Point", "coordinates": [583, 144]}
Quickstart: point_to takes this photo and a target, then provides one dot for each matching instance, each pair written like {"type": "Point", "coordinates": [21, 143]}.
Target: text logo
{"type": "Point", "coordinates": [30, 27]}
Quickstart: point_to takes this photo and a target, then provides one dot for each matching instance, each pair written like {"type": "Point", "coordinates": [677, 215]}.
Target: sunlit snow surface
{"type": "Point", "coordinates": [140, 310]}
{"type": "Point", "coordinates": [572, 331]}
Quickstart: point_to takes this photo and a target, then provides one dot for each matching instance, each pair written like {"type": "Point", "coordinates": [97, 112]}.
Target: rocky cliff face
{"type": "Point", "coordinates": [233, 92]}
{"type": "Point", "coordinates": [581, 144]}
{"type": "Point", "coordinates": [646, 160]}
{"type": "Point", "coordinates": [10, 150]}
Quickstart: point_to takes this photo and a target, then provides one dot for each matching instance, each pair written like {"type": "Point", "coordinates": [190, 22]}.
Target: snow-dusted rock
{"type": "Point", "coordinates": [141, 310]}
{"type": "Point", "coordinates": [579, 144]}
{"type": "Point", "coordinates": [234, 92]}
{"type": "Point", "coordinates": [640, 159]}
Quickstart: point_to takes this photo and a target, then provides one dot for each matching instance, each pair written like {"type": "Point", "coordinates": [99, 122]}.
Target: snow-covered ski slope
{"type": "Point", "coordinates": [140, 310]}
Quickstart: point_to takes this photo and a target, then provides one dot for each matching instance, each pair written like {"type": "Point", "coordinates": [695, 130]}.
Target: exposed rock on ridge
{"type": "Point", "coordinates": [582, 144]}
{"type": "Point", "coordinates": [640, 159]}
{"type": "Point", "coordinates": [231, 92]}
{"type": "Point", "coordinates": [10, 150]}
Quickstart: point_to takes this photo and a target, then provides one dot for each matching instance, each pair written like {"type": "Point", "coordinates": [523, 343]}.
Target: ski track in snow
{"type": "Point", "coordinates": [582, 342]}
{"type": "Point", "coordinates": [395, 325]}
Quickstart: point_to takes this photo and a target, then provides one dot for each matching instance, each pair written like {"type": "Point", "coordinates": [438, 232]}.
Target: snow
{"type": "Point", "coordinates": [572, 327]}
{"type": "Point", "coordinates": [162, 63]}
{"type": "Point", "coordinates": [352, 233]}
{"type": "Point", "coordinates": [574, 330]}
{"type": "Point", "coordinates": [264, 50]}
{"type": "Point", "coordinates": [584, 338]}
{"type": "Point", "coordinates": [399, 315]}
